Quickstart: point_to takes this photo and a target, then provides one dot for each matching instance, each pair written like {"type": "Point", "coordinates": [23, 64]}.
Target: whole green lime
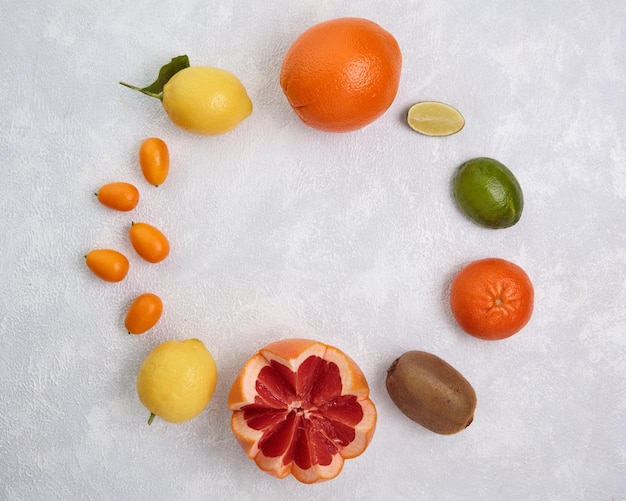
{"type": "Point", "coordinates": [488, 193]}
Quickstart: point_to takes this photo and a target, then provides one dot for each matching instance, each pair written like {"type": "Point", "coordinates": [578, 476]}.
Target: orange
{"type": "Point", "coordinates": [143, 313]}
{"type": "Point", "coordinates": [301, 407]}
{"type": "Point", "coordinates": [492, 298]}
{"type": "Point", "coordinates": [342, 74]}
{"type": "Point", "coordinates": [149, 242]}
{"type": "Point", "coordinates": [119, 196]}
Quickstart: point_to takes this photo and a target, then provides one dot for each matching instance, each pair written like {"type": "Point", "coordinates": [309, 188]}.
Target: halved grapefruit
{"type": "Point", "coordinates": [301, 407]}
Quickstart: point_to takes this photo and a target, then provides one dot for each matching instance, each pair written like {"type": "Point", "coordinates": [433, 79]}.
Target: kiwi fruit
{"type": "Point", "coordinates": [431, 392]}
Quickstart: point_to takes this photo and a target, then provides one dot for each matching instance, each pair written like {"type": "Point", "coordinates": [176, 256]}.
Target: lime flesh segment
{"type": "Point", "coordinates": [433, 118]}
{"type": "Point", "coordinates": [488, 193]}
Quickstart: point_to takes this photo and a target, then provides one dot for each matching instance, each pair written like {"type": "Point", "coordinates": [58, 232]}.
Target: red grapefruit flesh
{"type": "Point", "coordinates": [301, 407]}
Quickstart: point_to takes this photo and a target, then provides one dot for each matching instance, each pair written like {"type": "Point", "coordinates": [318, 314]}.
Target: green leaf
{"type": "Point", "coordinates": [155, 89]}
{"type": "Point", "coordinates": [166, 72]}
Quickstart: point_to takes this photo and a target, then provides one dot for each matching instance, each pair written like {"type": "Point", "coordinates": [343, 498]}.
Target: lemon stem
{"type": "Point", "coordinates": [143, 91]}
{"type": "Point", "coordinates": [151, 418]}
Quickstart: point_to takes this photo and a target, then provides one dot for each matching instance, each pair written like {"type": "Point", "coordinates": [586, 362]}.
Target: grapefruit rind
{"type": "Point", "coordinates": [292, 353]}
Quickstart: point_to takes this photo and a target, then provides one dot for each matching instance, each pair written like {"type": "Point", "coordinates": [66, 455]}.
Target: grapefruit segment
{"type": "Point", "coordinates": [301, 407]}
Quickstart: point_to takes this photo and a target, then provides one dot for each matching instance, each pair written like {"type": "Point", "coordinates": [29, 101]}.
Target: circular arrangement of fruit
{"type": "Point", "coordinates": [300, 406]}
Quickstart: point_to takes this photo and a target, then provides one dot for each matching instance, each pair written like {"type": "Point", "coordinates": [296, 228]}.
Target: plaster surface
{"type": "Point", "coordinates": [279, 230]}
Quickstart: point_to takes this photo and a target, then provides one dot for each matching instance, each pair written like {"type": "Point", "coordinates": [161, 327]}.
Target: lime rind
{"type": "Point", "coordinates": [488, 193]}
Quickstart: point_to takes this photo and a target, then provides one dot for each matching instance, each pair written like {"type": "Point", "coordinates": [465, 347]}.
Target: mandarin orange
{"type": "Point", "coordinates": [492, 298]}
{"type": "Point", "coordinates": [341, 75]}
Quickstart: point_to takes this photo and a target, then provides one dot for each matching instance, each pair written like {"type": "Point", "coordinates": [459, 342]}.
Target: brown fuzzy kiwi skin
{"type": "Point", "coordinates": [431, 392]}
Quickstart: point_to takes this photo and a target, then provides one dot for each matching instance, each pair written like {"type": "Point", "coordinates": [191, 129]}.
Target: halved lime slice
{"type": "Point", "coordinates": [433, 118]}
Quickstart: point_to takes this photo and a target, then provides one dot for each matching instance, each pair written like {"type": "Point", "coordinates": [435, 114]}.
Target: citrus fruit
{"type": "Point", "coordinates": [492, 298]}
{"type": "Point", "coordinates": [143, 313]}
{"type": "Point", "coordinates": [176, 380]}
{"type": "Point", "coordinates": [488, 193]}
{"type": "Point", "coordinates": [206, 100]}
{"type": "Point", "coordinates": [433, 118]}
{"type": "Point", "coordinates": [154, 160]}
{"type": "Point", "coordinates": [119, 196]}
{"type": "Point", "coordinates": [199, 99]}
{"type": "Point", "coordinates": [340, 75]}
{"type": "Point", "coordinates": [301, 407]}
{"type": "Point", "coordinates": [107, 264]}
{"type": "Point", "coordinates": [149, 242]}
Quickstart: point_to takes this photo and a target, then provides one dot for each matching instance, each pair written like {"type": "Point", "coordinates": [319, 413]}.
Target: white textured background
{"type": "Point", "coordinates": [278, 230]}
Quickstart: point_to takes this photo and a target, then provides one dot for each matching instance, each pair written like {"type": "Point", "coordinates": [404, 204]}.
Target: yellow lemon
{"type": "Point", "coordinates": [433, 118]}
{"type": "Point", "coordinates": [199, 99]}
{"type": "Point", "coordinates": [206, 100]}
{"type": "Point", "coordinates": [176, 380]}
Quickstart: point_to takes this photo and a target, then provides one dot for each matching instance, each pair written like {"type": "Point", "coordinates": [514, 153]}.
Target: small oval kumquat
{"type": "Point", "coordinates": [107, 264]}
{"type": "Point", "coordinates": [154, 160]}
{"type": "Point", "coordinates": [118, 196]}
{"type": "Point", "coordinates": [143, 313]}
{"type": "Point", "coordinates": [149, 242]}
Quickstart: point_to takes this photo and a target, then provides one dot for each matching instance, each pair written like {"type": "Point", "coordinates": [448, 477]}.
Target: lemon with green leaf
{"type": "Point", "coordinates": [199, 99]}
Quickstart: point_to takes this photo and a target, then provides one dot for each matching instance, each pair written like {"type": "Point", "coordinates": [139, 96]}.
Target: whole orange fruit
{"type": "Point", "coordinates": [341, 75]}
{"type": "Point", "coordinates": [492, 298]}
